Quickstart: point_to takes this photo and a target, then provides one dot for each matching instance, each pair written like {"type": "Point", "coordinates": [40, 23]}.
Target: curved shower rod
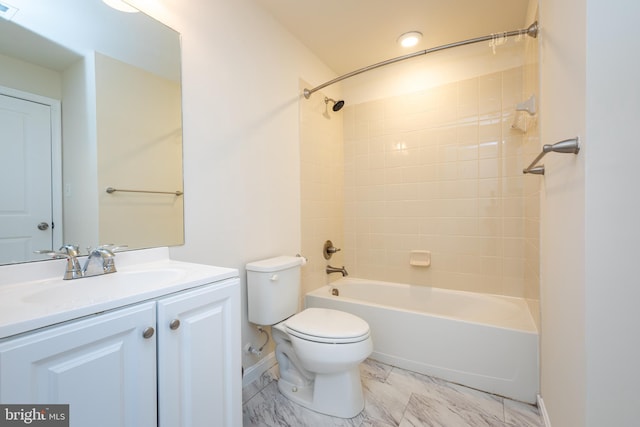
{"type": "Point", "coordinates": [531, 31]}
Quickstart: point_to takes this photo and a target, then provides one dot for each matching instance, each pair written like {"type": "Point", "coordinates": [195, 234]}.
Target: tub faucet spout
{"type": "Point", "coordinates": [342, 270]}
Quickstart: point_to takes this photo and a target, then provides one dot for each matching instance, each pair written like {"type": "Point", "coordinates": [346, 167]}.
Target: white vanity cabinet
{"type": "Point", "coordinates": [101, 366]}
{"type": "Point", "coordinates": [199, 368]}
{"type": "Point", "coordinates": [173, 361]}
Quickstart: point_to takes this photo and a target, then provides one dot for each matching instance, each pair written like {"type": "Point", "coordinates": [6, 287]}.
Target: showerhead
{"type": "Point", "coordinates": [337, 105]}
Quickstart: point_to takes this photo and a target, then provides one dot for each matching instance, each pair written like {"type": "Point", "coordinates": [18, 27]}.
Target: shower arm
{"type": "Point", "coordinates": [531, 31]}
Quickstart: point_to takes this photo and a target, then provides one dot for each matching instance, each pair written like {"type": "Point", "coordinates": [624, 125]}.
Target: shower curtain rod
{"type": "Point", "coordinates": [531, 31]}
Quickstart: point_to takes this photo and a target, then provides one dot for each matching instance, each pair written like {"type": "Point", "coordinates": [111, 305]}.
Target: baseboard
{"type": "Point", "coordinates": [254, 372]}
{"type": "Point", "coordinates": [543, 412]}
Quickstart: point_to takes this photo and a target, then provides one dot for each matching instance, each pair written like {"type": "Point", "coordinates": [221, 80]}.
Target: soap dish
{"type": "Point", "coordinates": [420, 258]}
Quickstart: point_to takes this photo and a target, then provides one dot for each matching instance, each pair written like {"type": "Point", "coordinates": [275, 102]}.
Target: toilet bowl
{"type": "Point", "coordinates": [318, 350]}
{"type": "Point", "coordinates": [319, 360]}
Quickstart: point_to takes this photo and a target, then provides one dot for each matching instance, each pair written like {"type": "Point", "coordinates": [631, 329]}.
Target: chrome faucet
{"type": "Point", "coordinates": [73, 270]}
{"type": "Point", "coordinates": [342, 270]}
{"type": "Point", "coordinates": [103, 254]}
{"type": "Point", "coordinates": [105, 261]}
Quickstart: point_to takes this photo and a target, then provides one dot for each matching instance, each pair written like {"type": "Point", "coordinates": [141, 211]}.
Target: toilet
{"type": "Point", "coordinates": [318, 350]}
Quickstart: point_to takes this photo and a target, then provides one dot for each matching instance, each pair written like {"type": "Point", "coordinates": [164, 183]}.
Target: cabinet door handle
{"type": "Point", "coordinates": [175, 324]}
{"type": "Point", "coordinates": [148, 332]}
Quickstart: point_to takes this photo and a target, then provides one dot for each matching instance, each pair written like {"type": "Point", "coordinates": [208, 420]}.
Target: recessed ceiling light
{"type": "Point", "coordinates": [410, 39]}
{"type": "Point", "coordinates": [121, 5]}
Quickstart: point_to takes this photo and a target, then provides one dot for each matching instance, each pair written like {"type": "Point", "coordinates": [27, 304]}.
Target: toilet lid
{"type": "Point", "coordinates": [326, 325]}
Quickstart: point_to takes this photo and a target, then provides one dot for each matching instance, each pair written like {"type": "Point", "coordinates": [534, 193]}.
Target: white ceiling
{"type": "Point", "coordinates": [57, 33]}
{"type": "Point", "coordinates": [351, 34]}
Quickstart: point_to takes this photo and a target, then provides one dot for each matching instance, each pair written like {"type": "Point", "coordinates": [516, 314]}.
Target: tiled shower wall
{"type": "Point", "coordinates": [322, 187]}
{"type": "Point", "coordinates": [441, 171]}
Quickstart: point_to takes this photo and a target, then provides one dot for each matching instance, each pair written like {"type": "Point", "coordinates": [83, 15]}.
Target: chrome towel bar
{"type": "Point", "coordinates": [113, 190]}
{"type": "Point", "coordinates": [571, 146]}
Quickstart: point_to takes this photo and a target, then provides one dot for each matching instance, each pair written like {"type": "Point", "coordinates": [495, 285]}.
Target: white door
{"type": "Point", "coordinates": [25, 179]}
{"type": "Point", "coordinates": [199, 368]}
{"type": "Point", "coordinates": [103, 367]}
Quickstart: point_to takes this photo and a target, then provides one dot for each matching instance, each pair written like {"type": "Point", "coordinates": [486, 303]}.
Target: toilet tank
{"type": "Point", "coordinates": [273, 289]}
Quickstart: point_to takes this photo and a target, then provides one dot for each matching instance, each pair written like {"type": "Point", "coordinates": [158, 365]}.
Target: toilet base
{"type": "Point", "coordinates": [339, 395]}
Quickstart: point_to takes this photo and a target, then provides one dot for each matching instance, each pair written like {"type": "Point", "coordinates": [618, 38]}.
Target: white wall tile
{"type": "Point", "coordinates": [443, 173]}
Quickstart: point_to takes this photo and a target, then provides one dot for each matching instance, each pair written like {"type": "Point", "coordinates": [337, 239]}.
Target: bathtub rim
{"type": "Point", "coordinates": [325, 292]}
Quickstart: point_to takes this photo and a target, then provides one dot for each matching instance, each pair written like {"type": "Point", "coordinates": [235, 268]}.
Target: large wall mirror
{"type": "Point", "coordinates": [90, 100]}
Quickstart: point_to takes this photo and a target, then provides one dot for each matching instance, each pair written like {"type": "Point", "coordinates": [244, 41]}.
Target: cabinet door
{"type": "Point", "coordinates": [199, 367]}
{"type": "Point", "coordinates": [101, 366]}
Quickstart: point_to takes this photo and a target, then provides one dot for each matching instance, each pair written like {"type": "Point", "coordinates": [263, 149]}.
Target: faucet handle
{"type": "Point", "coordinates": [328, 249]}
{"type": "Point", "coordinates": [52, 254]}
{"type": "Point", "coordinates": [112, 248]}
{"type": "Point", "coordinates": [102, 252]}
{"type": "Point", "coordinates": [66, 251]}
{"type": "Point", "coordinates": [71, 253]}
{"type": "Point", "coordinates": [71, 250]}
{"type": "Point", "coordinates": [107, 249]}
{"type": "Point", "coordinates": [106, 257]}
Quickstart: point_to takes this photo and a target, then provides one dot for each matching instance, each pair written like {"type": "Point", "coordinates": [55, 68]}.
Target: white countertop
{"type": "Point", "coordinates": [33, 295]}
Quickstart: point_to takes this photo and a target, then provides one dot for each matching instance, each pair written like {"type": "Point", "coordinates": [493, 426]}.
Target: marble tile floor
{"type": "Point", "coordinates": [393, 397]}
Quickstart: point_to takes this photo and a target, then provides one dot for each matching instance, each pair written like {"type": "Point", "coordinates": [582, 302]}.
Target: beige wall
{"type": "Point", "coordinates": [433, 70]}
{"type": "Point", "coordinates": [139, 139]}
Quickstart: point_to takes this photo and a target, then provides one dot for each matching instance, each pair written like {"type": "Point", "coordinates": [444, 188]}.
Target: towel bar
{"type": "Point", "coordinates": [571, 146]}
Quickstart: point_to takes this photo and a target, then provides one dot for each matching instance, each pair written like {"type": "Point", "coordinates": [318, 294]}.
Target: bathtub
{"type": "Point", "coordinates": [487, 342]}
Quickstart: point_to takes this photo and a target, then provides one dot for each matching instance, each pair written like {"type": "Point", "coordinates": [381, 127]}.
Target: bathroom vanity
{"type": "Point", "coordinates": [155, 344]}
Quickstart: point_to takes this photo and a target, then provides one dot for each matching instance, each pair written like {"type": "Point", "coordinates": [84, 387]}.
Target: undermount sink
{"type": "Point", "coordinates": [97, 288]}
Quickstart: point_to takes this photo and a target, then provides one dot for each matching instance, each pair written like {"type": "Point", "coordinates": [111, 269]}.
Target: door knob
{"type": "Point", "coordinates": [43, 226]}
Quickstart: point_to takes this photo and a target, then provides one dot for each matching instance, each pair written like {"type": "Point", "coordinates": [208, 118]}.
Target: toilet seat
{"type": "Point", "coordinates": [324, 325]}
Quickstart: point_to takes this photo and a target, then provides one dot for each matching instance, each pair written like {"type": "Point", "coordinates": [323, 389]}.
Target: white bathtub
{"type": "Point", "coordinates": [487, 342]}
